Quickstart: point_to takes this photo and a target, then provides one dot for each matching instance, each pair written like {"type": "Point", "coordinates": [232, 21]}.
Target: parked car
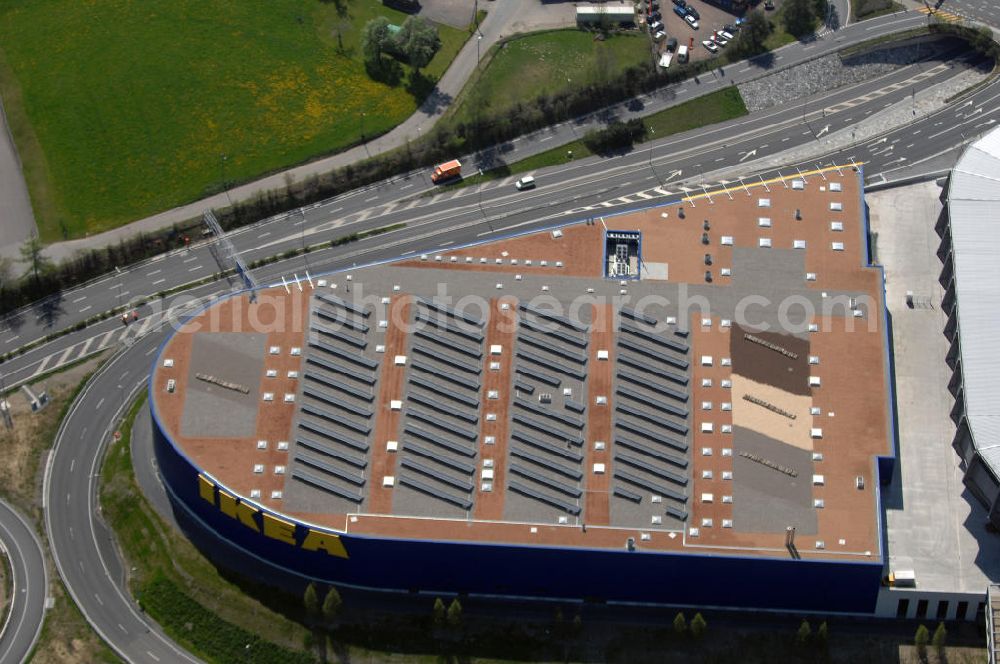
{"type": "Point", "coordinates": [731, 28]}
{"type": "Point", "coordinates": [660, 35]}
{"type": "Point", "coordinates": [655, 26]}
{"type": "Point", "coordinates": [671, 44]}
{"type": "Point", "coordinates": [655, 16]}
{"type": "Point", "coordinates": [527, 182]}
{"type": "Point", "coordinates": [710, 45]}
{"type": "Point", "coordinates": [727, 35]}
{"type": "Point", "coordinates": [719, 39]}
{"type": "Point", "coordinates": [692, 21]}
{"type": "Point", "coordinates": [680, 3]}
{"type": "Point", "coordinates": [680, 11]}
{"type": "Point", "coordinates": [693, 12]}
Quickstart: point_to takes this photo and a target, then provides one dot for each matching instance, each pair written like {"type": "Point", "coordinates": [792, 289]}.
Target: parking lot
{"type": "Point", "coordinates": [711, 18]}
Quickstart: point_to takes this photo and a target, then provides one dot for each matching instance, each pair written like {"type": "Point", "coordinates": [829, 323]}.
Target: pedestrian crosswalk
{"type": "Point", "coordinates": [947, 17]}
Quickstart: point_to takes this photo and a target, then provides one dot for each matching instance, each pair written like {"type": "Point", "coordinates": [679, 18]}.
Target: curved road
{"type": "Point", "coordinates": [29, 585]}
{"type": "Point", "coordinates": [82, 547]}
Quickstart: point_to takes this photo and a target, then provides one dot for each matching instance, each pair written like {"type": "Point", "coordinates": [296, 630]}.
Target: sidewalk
{"type": "Point", "coordinates": [504, 17]}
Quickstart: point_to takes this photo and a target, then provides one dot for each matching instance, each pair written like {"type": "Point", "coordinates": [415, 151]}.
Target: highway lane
{"type": "Point", "coordinates": [81, 545]}
{"type": "Point", "coordinates": [29, 587]}
{"type": "Point", "coordinates": [644, 177]}
{"type": "Point", "coordinates": [399, 200]}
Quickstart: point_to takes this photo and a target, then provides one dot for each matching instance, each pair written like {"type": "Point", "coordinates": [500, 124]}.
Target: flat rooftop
{"type": "Point", "coordinates": [695, 377]}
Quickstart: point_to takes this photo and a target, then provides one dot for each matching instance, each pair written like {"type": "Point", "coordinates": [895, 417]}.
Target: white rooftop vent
{"type": "Point", "coordinates": [276, 494]}
{"type": "Point", "coordinates": [268, 396]}
{"type": "Point", "coordinates": [798, 244]}
{"type": "Point", "coordinates": [382, 324]}
{"type": "Point", "coordinates": [727, 474]}
{"type": "Point", "coordinates": [438, 258]}
{"type": "Point", "coordinates": [292, 374]}
{"type": "Point", "coordinates": [496, 349]}
{"type": "Point", "coordinates": [258, 468]}
{"type": "Point", "coordinates": [727, 361]}
{"type": "Point", "coordinates": [563, 520]}
{"type": "Point", "coordinates": [726, 271]}
{"type": "Point", "coordinates": [835, 206]}
{"type": "Point", "coordinates": [727, 523]}
{"type": "Point", "coordinates": [491, 417]}
{"type": "Point", "coordinates": [817, 456]}
{"type": "Point", "coordinates": [379, 348]}
{"type": "Point", "coordinates": [815, 410]}
{"type": "Point", "coordinates": [706, 523]}
{"type": "Point", "coordinates": [493, 394]}
{"type": "Point", "coordinates": [764, 202]}
{"type": "Point", "coordinates": [599, 445]}
{"type": "Point", "coordinates": [818, 503]}
{"type": "Point", "coordinates": [486, 487]}
{"type": "Point", "coordinates": [727, 406]}
{"type": "Point", "coordinates": [391, 446]}
{"type": "Point", "coordinates": [837, 246]}
{"type": "Point", "coordinates": [837, 226]}
{"type": "Point", "coordinates": [726, 323]}
{"type": "Point", "coordinates": [296, 350]}
{"type": "Point", "coordinates": [283, 445]}
{"type": "Point", "coordinates": [598, 468]}
{"type": "Point", "coordinates": [601, 401]}
{"type": "Point", "coordinates": [602, 354]}
{"type": "Point", "coordinates": [171, 385]}
{"type": "Point", "coordinates": [279, 470]}
{"type": "Point", "coordinates": [168, 362]}
{"type": "Point", "coordinates": [814, 381]}
{"type": "Point", "coordinates": [727, 451]}
{"type": "Point", "coordinates": [818, 480]}
{"type": "Point", "coordinates": [271, 373]}
{"type": "Point", "coordinates": [798, 184]}
{"type": "Point", "coordinates": [645, 537]}
{"type": "Point", "coordinates": [255, 493]}
{"type": "Point", "coordinates": [559, 263]}
{"type": "Point", "coordinates": [399, 360]}
{"type": "Point", "coordinates": [494, 366]}
{"type": "Point", "coordinates": [727, 240]}
{"type": "Point", "coordinates": [814, 359]}
{"type": "Point", "coordinates": [707, 427]}
{"type": "Point", "coordinates": [261, 444]}
{"type": "Point", "coordinates": [764, 242]}
{"type": "Point", "coordinates": [557, 233]}
{"type": "Point", "coordinates": [810, 276]}
{"type": "Point", "coordinates": [706, 474]}
{"type": "Point", "coordinates": [395, 404]}
{"type": "Point", "coordinates": [727, 500]}
{"type": "Point", "coordinates": [727, 428]}
{"type": "Point", "coordinates": [289, 397]}
{"type": "Point", "coordinates": [706, 360]}
{"type": "Point", "coordinates": [388, 481]}
{"type": "Point", "coordinates": [813, 327]}
{"type": "Point", "coordinates": [764, 222]}
{"type": "Point", "coordinates": [816, 432]}
{"type": "Point", "coordinates": [706, 405]}
{"type": "Point", "coordinates": [706, 382]}
{"type": "Point", "coordinates": [706, 451]}
{"type": "Point", "coordinates": [490, 440]}
{"type": "Point", "coordinates": [835, 186]}
{"type": "Point", "coordinates": [706, 322]}
{"type": "Point", "coordinates": [274, 350]}
{"type": "Point", "coordinates": [726, 383]}
{"type": "Point", "coordinates": [487, 474]}
{"type": "Point", "coordinates": [692, 532]}
{"type": "Point", "coordinates": [707, 497]}
{"type": "Point", "coordinates": [656, 520]}
{"type": "Point", "coordinates": [820, 544]}
{"type": "Point", "coordinates": [517, 277]}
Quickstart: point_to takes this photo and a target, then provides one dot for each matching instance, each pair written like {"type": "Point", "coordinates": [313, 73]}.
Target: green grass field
{"type": "Point", "coordinates": [122, 109]}
{"type": "Point", "coordinates": [549, 62]}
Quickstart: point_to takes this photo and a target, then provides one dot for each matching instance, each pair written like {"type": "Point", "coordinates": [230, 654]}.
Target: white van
{"type": "Point", "coordinates": [682, 53]}
{"type": "Point", "coordinates": [527, 182]}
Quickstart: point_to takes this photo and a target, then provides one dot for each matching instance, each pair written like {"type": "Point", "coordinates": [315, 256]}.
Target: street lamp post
{"type": "Point", "coordinates": [481, 210]}
{"type": "Point", "coordinates": [651, 141]}
{"type": "Point", "coordinates": [364, 141]}
{"type": "Point", "coordinates": [478, 40]}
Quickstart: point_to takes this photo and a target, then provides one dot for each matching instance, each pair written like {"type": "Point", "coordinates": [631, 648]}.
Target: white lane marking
{"type": "Point", "coordinates": [80, 299]}
{"type": "Point", "coordinates": [155, 658]}
{"type": "Point", "coordinates": [153, 273]}
{"type": "Point", "coordinates": [72, 464]}
{"type": "Point", "coordinates": [406, 186]}
{"type": "Point", "coordinates": [188, 260]}
{"type": "Point", "coordinates": [86, 346]}
{"type": "Point", "coordinates": [265, 234]}
{"type": "Point", "coordinates": [86, 308]}
{"type": "Point", "coordinates": [99, 404]}
{"type": "Point", "coordinates": [195, 268]}
{"type": "Point", "coordinates": [41, 366]}
{"type": "Point", "coordinates": [96, 596]}
{"type": "Point", "coordinates": [373, 198]}
{"type": "Point", "coordinates": [158, 281]}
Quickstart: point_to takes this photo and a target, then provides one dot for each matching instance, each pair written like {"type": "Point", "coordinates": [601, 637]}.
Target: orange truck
{"type": "Point", "coordinates": [446, 171]}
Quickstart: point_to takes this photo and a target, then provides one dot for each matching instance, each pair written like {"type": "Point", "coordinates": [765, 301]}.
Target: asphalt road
{"type": "Point", "coordinates": [82, 547]}
{"type": "Point", "coordinates": [433, 218]}
{"type": "Point", "coordinates": [29, 588]}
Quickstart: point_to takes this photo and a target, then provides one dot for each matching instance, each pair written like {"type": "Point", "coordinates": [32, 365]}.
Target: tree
{"type": "Point", "coordinates": [751, 37]}
{"type": "Point", "coordinates": [331, 605]}
{"type": "Point", "coordinates": [374, 38]}
{"type": "Point", "coordinates": [939, 640]}
{"type": "Point", "coordinates": [799, 17]}
{"type": "Point", "coordinates": [698, 626]}
{"type": "Point", "coordinates": [823, 635]}
{"type": "Point", "coordinates": [310, 600]}
{"type": "Point", "coordinates": [418, 40]}
{"type": "Point", "coordinates": [805, 631]}
{"type": "Point", "coordinates": [920, 640]}
{"type": "Point", "coordinates": [680, 624]}
{"type": "Point", "coordinates": [31, 253]}
{"type": "Point", "coordinates": [455, 614]}
{"type": "Point", "coordinates": [439, 612]}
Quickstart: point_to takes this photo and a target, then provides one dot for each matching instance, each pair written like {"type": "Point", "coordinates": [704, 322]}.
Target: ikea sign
{"type": "Point", "coordinates": [267, 524]}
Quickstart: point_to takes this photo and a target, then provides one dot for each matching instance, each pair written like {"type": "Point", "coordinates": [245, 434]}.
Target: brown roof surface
{"type": "Point", "coordinates": [752, 386]}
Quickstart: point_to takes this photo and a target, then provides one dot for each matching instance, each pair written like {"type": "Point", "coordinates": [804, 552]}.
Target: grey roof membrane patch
{"type": "Point", "coordinates": [766, 499]}
{"type": "Point", "coordinates": [214, 411]}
